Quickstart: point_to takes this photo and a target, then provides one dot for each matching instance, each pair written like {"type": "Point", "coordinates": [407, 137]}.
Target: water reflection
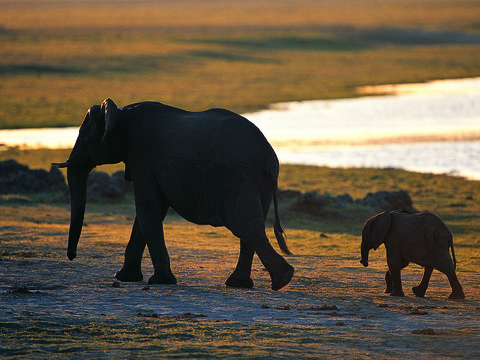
{"type": "Point", "coordinates": [52, 138]}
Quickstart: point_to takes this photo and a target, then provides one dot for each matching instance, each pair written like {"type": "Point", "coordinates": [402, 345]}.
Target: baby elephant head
{"type": "Point", "coordinates": [373, 234]}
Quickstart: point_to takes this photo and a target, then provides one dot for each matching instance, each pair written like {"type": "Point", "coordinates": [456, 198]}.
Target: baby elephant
{"type": "Point", "coordinates": [421, 238]}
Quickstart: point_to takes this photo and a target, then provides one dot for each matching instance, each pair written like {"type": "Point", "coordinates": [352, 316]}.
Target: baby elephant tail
{"type": "Point", "coordinates": [453, 256]}
{"type": "Point", "coordinates": [277, 228]}
{"type": "Point", "coordinates": [450, 244]}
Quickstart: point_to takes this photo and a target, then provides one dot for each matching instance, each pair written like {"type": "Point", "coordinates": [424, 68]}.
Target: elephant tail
{"type": "Point", "coordinates": [277, 228]}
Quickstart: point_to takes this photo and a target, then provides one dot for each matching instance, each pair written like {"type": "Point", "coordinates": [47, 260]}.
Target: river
{"type": "Point", "coordinates": [431, 127]}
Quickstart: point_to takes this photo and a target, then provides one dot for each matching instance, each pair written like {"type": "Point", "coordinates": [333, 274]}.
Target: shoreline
{"type": "Point", "coordinates": [435, 133]}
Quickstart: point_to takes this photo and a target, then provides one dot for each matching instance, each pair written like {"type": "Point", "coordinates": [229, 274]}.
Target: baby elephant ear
{"type": "Point", "coordinates": [379, 226]}
{"type": "Point", "coordinates": [111, 116]}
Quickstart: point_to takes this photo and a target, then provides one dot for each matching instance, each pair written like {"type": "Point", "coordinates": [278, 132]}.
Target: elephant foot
{"type": "Point", "coordinates": [163, 278]}
{"type": "Point", "coordinates": [397, 293]}
{"type": "Point", "coordinates": [388, 290]}
{"type": "Point", "coordinates": [418, 291]}
{"type": "Point", "coordinates": [232, 281]}
{"type": "Point", "coordinates": [129, 275]}
{"type": "Point", "coordinates": [282, 277]}
{"type": "Point", "coordinates": [457, 294]}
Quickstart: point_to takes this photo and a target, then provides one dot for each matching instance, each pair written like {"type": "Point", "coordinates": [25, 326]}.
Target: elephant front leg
{"type": "Point", "coordinates": [241, 276]}
{"type": "Point", "coordinates": [421, 288]}
{"type": "Point", "coordinates": [131, 270]}
{"type": "Point", "coordinates": [150, 216]}
{"type": "Point", "coordinates": [161, 261]}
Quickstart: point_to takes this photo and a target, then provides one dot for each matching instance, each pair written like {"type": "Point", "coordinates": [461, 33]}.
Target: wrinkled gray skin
{"type": "Point", "coordinates": [421, 238]}
{"type": "Point", "coordinates": [212, 167]}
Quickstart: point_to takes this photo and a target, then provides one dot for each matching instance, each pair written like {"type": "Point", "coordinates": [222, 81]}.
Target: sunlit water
{"type": "Point", "coordinates": [432, 127]}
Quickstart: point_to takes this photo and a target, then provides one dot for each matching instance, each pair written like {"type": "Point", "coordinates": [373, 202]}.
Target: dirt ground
{"type": "Point", "coordinates": [51, 307]}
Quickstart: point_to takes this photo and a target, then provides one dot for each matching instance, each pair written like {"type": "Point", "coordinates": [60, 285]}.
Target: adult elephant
{"type": "Point", "coordinates": [212, 167]}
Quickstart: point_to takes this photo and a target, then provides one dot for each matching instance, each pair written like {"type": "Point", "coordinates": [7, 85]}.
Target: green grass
{"type": "Point", "coordinates": [58, 60]}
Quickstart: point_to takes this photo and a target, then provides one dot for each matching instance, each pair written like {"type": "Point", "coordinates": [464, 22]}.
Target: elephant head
{"type": "Point", "coordinates": [373, 234]}
{"type": "Point", "coordinates": [94, 146]}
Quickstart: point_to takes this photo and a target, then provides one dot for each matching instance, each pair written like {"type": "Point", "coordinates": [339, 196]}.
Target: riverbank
{"type": "Point", "coordinates": [434, 128]}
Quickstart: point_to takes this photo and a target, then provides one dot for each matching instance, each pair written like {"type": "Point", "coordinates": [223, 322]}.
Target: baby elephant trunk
{"type": "Point", "coordinates": [364, 250]}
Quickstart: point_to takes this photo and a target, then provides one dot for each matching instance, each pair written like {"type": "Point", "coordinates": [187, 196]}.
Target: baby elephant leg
{"type": "Point", "coordinates": [446, 266]}
{"type": "Point", "coordinates": [388, 282]}
{"type": "Point", "coordinates": [396, 281]}
{"type": "Point", "coordinates": [421, 288]}
{"type": "Point", "coordinates": [395, 265]}
{"type": "Point", "coordinates": [457, 290]}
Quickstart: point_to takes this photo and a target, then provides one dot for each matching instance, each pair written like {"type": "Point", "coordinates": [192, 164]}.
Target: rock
{"type": "Point", "coordinates": [288, 194]}
{"type": "Point", "coordinates": [343, 206]}
{"type": "Point", "coordinates": [388, 201]}
{"type": "Point", "coordinates": [320, 205]}
{"type": "Point", "coordinates": [118, 180]}
{"type": "Point", "coordinates": [17, 178]}
{"type": "Point", "coordinates": [101, 186]}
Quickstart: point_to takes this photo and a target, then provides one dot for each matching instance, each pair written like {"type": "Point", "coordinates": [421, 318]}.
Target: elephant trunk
{"type": "Point", "coordinates": [77, 185]}
{"type": "Point", "coordinates": [364, 249]}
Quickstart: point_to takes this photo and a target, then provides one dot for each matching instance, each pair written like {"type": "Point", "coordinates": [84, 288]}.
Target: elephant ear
{"type": "Point", "coordinates": [92, 128]}
{"type": "Point", "coordinates": [376, 228]}
{"type": "Point", "coordinates": [111, 116]}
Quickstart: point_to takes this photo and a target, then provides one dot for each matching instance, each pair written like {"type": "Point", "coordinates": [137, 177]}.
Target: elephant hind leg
{"type": "Point", "coordinates": [241, 276]}
{"type": "Point", "coordinates": [247, 222]}
{"type": "Point", "coordinates": [280, 271]}
{"type": "Point", "coordinates": [421, 288]}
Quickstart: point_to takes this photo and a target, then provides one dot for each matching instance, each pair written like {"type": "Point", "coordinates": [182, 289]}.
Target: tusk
{"type": "Point", "coordinates": [60, 165]}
